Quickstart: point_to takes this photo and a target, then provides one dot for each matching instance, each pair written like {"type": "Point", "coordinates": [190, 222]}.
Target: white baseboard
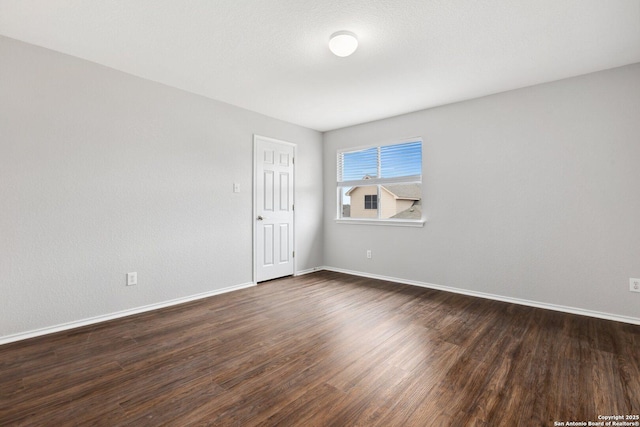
{"type": "Point", "coordinates": [92, 320]}
{"type": "Point", "coordinates": [546, 306]}
{"type": "Point", "coordinates": [84, 322]}
{"type": "Point", "coordinates": [308, 271]}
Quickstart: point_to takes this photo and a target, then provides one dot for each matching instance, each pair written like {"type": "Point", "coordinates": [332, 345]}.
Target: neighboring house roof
{"type": "Point", "coordinates": [400, 191]}
{"type": "Point", "coordinates": [405, 191]}
{"type": "Point", "coordinates": [351, 190]}
{"type": "Point", "coordinates": [414, 212]}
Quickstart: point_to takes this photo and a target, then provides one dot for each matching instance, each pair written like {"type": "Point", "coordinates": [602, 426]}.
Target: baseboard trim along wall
{"type": "Point", "coordinates": [308, 271]}
{"type": "Point", "coordinates": [93, 320]}
{"type": "Point", "coordinates": [546, 306]}
{"type": "Point", "coordinates": [90, 321]}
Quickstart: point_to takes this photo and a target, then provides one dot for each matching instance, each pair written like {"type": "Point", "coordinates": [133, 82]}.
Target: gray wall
{"type": "Point", "coordinates": [102, 173]}
{"type": "Point", "coordinates": [531, 194]}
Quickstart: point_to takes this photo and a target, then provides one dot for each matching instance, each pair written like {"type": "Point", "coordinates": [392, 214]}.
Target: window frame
{"type": "Point", "coordinates": [379, 182]}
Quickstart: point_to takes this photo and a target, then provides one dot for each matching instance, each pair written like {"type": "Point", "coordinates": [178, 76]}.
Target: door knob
{"type": "Point", "coordinates": [260, 218]}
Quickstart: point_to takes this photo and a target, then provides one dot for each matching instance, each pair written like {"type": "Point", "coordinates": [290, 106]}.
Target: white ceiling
{"type": "Point", "coordinates": [272, 57]}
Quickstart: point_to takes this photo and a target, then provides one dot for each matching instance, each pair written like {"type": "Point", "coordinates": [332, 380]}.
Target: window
{"type": "Point", "coordinates": [381, 183]}
{"type": "Point", "coordinates": [371, 201]}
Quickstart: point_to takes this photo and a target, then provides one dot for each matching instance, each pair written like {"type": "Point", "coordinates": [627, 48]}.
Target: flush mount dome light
{"type": "Point", "coordinates": [343, 43]}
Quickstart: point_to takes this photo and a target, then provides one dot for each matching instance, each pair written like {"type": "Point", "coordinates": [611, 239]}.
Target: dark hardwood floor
{"type": "Point", "coordinates": [327, 349]}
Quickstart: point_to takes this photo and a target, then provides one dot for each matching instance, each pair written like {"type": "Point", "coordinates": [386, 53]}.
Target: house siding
{"type": "Point", "coordinates": [357, 202]}
{"type": "Point", "coordinates": [387, 202]}
{"type": "Point", "coordinates": [388, 206]}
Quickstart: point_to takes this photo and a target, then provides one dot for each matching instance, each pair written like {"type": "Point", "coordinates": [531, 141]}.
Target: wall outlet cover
{"type": "Point", "coordinates": [132, 279]}
{"type": "Point", "coordinates": [634, 285]}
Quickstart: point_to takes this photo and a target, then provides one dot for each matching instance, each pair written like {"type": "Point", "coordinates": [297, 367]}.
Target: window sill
{"type": "Point", "coordinates": [389, 222]}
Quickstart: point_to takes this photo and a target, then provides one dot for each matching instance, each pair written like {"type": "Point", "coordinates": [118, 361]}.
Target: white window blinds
{"type": "Point", "coordinates": [382, 164]}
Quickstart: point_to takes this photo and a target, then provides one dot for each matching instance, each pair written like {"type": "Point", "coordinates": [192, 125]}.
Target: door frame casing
{"type": "Point", "coordinates": [257, 137]}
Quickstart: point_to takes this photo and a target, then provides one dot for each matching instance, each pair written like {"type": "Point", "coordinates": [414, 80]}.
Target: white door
{"type": "Point", "coordinates": [273, 202]}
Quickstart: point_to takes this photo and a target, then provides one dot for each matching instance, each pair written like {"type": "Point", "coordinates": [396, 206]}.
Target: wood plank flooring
{"type": "Point", "coordinates": [326, 349]}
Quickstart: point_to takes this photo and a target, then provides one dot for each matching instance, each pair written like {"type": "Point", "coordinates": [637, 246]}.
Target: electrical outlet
{"type": "Point", "coordinates": [132, 279]}
{"type": "Point", "coordinates": [369, 253]}
{"type": "Point", "coordinates": [634, 285]}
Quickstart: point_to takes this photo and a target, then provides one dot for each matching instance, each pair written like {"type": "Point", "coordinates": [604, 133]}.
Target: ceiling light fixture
{"type": "Point", "coordinates": [343, 43]}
